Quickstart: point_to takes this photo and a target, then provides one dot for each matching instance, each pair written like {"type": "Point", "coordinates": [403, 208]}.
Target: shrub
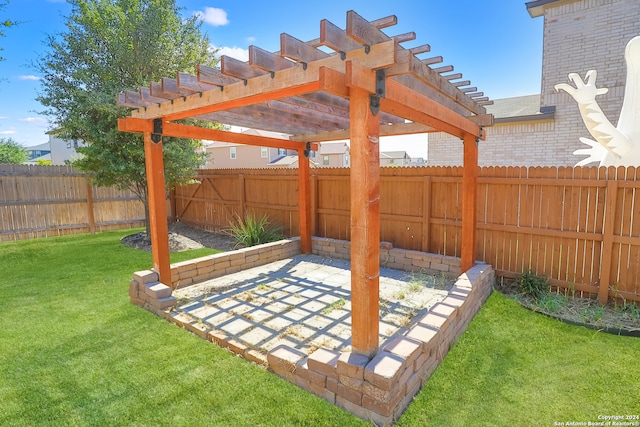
{"type": "Point", "coordinates": [251, 231]}
{"type": "Point", "coordinates": [533, 286]}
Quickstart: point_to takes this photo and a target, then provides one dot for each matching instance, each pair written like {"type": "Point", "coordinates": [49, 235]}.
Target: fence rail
{"type": "Point", "coordinates": [579, 227]}
{"type": "Point", "coordinates": [43, 201]}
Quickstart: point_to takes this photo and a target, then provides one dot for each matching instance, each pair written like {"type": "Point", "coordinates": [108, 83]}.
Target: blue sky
{"type": "Point", "coordinates": [493, 43]}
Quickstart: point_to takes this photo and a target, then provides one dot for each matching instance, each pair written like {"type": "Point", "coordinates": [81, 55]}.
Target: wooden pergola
{"type": "Point", "coordinates": [356, 84]}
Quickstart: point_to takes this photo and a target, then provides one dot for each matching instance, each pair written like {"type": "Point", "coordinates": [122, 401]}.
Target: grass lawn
{"type": "Point", "coordinates": [76, 352]}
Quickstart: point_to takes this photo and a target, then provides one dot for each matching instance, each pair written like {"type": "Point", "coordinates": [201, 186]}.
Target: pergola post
{"type": "Point", "coordinates": [469, 197]}
{"type": "Point", "coordinates": [156, 198]}
{"type": "Point", "coordinates": [304, 201]}
{"type": "Point", "coordinates": [365, 223]}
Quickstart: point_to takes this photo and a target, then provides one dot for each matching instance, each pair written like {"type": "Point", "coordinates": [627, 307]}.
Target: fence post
{"type": "Point", "coordinates": [243, 200]}
{"type": "Point", "coordinates": [90, 213]}
{"type": "Point", "coordinates": [314, 204]}
{"type": "Point", "coordinates": [426, 214]}
{"type": "Point", "coordinates": [607, 240]}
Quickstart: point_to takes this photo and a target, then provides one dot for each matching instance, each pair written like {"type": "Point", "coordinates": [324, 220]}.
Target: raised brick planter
{"type": "Point", "coordinates": [376, 389]}
{"type": "Point", "coordinates": [381, 388]}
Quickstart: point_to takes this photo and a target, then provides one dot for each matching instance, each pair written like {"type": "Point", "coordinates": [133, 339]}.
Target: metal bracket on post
{"type": "Point", "coordinates": [307, 150]}
{"type": "Point", "coordinates": [156, 136]}
{"type": "Point", "coordinates": [374, 99]}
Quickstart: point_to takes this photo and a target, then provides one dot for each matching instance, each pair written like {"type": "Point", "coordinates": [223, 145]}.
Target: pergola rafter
{"type": "Point", "coordinates": [361, 85]}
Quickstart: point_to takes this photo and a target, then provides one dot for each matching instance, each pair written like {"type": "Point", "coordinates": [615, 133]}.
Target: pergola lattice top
{"type": "Point", "coordinates": [369, 86]}
{"type": "Point", "coordinates": [304, 90]}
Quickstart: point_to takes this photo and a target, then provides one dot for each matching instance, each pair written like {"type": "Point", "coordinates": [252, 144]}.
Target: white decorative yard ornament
{"type": "Point", "coordinates": [613, 146]}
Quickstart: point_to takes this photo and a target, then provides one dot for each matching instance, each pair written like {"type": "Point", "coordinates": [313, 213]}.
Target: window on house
{"type": "Point", "coordinates": [232, 152]}
{"type": "Point", "coordinates": [312, 154]}
{"type": "Point", "coordinates": [346, 159]}
{"type": "Point", "coordinates": [325, 160]}
{"type": "Point", "coordinates": [68, 144]}
{"type": "Point", "coordinates": [264, 152]}
{"type": "Point", "coordinates": [282, 152]}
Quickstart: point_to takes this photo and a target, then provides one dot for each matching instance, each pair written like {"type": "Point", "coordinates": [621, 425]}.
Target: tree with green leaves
{"type": "Point", "coordinates": [4, 22]}
{"type": "Point", "coordinates": [110, 46]}
{"type": "Point", "coordinates": [12, 152]}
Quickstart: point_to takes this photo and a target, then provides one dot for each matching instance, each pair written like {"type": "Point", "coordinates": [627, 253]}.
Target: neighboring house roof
{"type": "Point", "coordinates": [327, 148]}
{"type": "Point", "coordinates": [519, 108]}
{"type": "Point", "coordinates": [394, 154]}
{"type": "Point", "coordinates": [44, 146]}
{"type": "Point", "coordinates": [536, 8]}
{"type": "Point", "coordinates": [285, 161]}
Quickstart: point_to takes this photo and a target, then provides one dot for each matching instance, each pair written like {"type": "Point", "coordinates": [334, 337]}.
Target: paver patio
{"type": "Point", "coordinates": [304, 303]}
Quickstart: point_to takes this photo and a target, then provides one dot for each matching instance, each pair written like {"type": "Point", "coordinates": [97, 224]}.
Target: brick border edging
{"type": "Point", "coordinates": [377, 389]}
{"type": "Point", "coordinates": [380, 389]}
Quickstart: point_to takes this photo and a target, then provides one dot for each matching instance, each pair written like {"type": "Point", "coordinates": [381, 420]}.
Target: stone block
{"type": "Point", "coordinates": [385, 409]}
{"type": "Point", "coordinates": [386, 245]}
{"type": "Point", "coordinates": [157, 290]}
{"type": "Point", "coordinates": [283, 360]}
{"type": "Point", "coordinates": [349, 394]}
{"type": "Point", "coordinates": [163, 303]}
{"type": "Point", "coordinates": [384, 369]}
{"type": "Point", "coordinates": [332, 385]}
{"type": "Point", "coordinates": [352, 365]}
{"type": "Point", "coordinates": [303, 371]}
{"type": "Point", "coordinates": [217, 337]}
{"type": "Point", "coordinates": [407, 348]}
{"type": "Point", "coordinates": [255, 356]}
{"type": "Point", "coordinates": [133, 288]}
{"type": "Point", "coordinates": [146, 276]}
{"type": "Point", "coordinates": [324, 360]}
{"type": "Point", "coordinates": [422, 333]}
{"type": "Point", "coordinates": [433, 319]}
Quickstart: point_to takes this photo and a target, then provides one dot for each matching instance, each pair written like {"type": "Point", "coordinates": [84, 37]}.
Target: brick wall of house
{"type": "Point", "coordinates": [579, 36]}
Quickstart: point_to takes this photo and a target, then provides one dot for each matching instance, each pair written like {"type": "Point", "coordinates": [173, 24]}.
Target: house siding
{"type": "Point", "coordinates": [579, 36]}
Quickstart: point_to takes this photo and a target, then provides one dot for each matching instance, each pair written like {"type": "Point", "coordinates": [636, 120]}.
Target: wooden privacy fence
{"type": "Point", "coordinates": [42, 201]}
{"type": "Point", "coordinates": [579, 227]}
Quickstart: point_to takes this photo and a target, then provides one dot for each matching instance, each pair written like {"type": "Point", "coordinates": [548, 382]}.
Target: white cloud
{"type": "Point", "coordinates": [7, 132]}
{"type": "Point", "coordinates": [36, 121]}
{"type": "Point", "coordinates": [213, 16]}
{"type": "Point", "coordinates": [251, 39]}
{"type": "Point", "coordinates": [234, 52]}
{"type": "Point", "coordinates": [29, 78]}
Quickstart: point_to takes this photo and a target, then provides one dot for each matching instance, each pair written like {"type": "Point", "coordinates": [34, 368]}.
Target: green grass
{"type": "Point", "coordinates": [76, 352]}
{"type": "Point", "coordinates": [514, 367]}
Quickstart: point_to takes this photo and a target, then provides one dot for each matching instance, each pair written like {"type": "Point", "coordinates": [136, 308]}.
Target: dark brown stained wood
{"type": "Point", "coordinates": [121, 100]}
{"type": "Point", "coordinates": [480, 98]}
{"type": "Point", "coordinates": [363, 31]}
{"type": "Point", "coordinates": [236, 68]}
{"type": "Point", "coordinates": [134, 98]}
{"type": "Point", "coordinates": [154, 164]}
{"type": "Point", "coordinates": [443, 69]}
{"type": "Point", "coordinates": [406, 37]}
{"type": "Point", "coordinates": [483, 103]}
{"type": "Point", "coordinates": [189, 82]}
{"type": "Point", "coordinates": [156, 90]}
{"type": "Point", "coordinates": [145, 95]}
{"type": "Point", "coordinates": [214, 76]}
{"type": "Point", "coordinates": [432, 60]}
{"type": "Point", "coordinates": [335, 38]}
{"type": "Point", "coordinates": [170, 86]}
{"type": "Point", "coordinates": [421, 87]}
{"type": "Point", "coordinates": [343, 104]}
{"type": "Point", "coordinates": [268, 61]}
{"type": "Point", "coordinates": [468, 89]}
{"type": "Point", "coordinates": [474, 94]}
{"type": "Point", "coordinates": [291, 47]}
